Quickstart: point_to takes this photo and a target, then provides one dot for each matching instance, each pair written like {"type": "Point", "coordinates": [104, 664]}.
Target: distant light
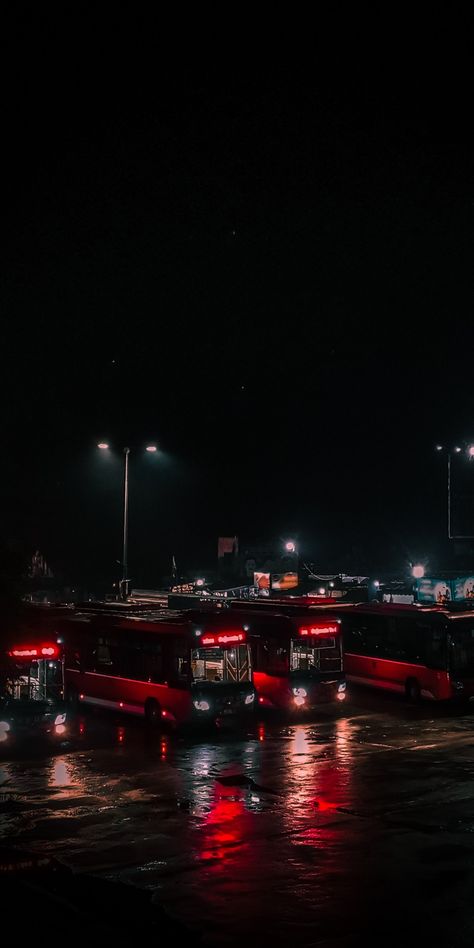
{"type": "Point", "coordinates": [439, 447]}
{"type": "Point", "coordinates": [418, 572]}
{"type": "Point", "coordinates": [376, 583]}
{"type": "Point", "coordinates": [200, 582]}
{"type": "Point", "coordinates": [331, 584]}
{"type": "Point", "coordinates": [60, 728]}
{"type": "Point", "coordinates": [470, 450]}
{"type": "Point", "coordinates": [457, 450]}
{"type": "Point", "coordinates": [321, 590]}
{"type": "Point", "coordinates": [102, 445]}
{"type": "Point", "coordinates": [290, 546]}
{"type": "Point", "coordinates": [151, 448]}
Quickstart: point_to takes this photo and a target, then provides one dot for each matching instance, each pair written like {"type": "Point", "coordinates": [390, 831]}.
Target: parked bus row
{"type": "Point", "coordinates": [220, 662]}
{"type": "Point", "coordinates": [419, 651]}
{"type": "Point", "coordinates": [201, 665]}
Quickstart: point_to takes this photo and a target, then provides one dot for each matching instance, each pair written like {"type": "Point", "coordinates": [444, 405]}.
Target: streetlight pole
{"type": "Point", "coordinates": [449, 453]}
{"type": "Point", "coordinates": [151, 449]}
{"type": "Point", "coordinates": [124, 583]}
{"type": "Point", "coordinates": [449, 495]}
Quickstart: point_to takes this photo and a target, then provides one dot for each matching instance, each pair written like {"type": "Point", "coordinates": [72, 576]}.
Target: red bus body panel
{"type": "Point", "coordinates": [129, 695]}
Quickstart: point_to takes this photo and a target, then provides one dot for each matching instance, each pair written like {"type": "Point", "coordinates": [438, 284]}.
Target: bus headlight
{"type": "Point", "coordinates": [60, 719]}
{"type": "Point", "coordinates": [300, 692]}
{"type": "Point", "coordinates": [201, 705]}
{"type": "Point", "coordinates": [250, 698]}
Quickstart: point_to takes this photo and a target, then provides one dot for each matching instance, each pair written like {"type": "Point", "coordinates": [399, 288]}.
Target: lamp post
{"type": "Point", "coordinates": [449, 453]}
{"type": "Point", "coordinates": [152, 449]}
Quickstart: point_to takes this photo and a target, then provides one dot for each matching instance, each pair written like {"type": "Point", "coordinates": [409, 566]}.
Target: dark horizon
{"type": "Point", "coordinates": [272, 286]}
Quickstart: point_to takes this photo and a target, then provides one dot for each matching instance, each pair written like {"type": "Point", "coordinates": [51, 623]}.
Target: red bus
{"type": "Point", "coordinates": [158, 664]}
{"type": "Point", "coordinates": [32, 692]}
{"type": "Point", "coordinates": [297, 654]}
{"type": "Point", "coordinates": [414, 650]}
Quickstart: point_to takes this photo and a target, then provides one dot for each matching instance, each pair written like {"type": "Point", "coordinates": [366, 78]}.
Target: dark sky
{"type": "Point", "coordinates": [273, 282]}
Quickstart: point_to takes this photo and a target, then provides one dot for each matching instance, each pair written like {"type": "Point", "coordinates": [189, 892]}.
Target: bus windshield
{"type": "Point", "coordinates": [314, 655]}
{"type": "Point", "coordinates": [462, 647]}
{"type": "Point", "coordinates": [221, 664]}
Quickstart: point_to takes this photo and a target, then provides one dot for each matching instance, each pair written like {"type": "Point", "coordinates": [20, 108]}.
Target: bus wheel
{"type": "Point", "coordinates": [412, 690]}
{"type": "Point", "coordinates": [152, 712]}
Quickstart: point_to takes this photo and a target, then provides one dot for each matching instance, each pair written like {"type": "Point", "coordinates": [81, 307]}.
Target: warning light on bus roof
{"type": "Point", "coordinates": [224, 638]}
{"type": "Point", "coordinates": [319, 629]}
{"type": "Point", "coordinates": [48, 650]}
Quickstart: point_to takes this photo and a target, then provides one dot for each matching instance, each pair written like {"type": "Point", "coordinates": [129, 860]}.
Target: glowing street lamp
{"type": "Point", "coordinates": [290, 546]}
{"type": "Point", "coordinates": [449, 452]}
{"type": "Point", "coordinates": [418, 571]}
{"type": "Point", "coordinates": [104, 446]}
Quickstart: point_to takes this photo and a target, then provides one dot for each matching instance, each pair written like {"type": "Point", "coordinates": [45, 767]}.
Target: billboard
{"type": "Point", "coordinates": [284, 580]}
{"type": "Point", "coordinates": [463, 588]}
{"type": "Point", "coordinates": [433, 590]}
{"type": "Point", "coordinates": [442, 591]}
{"type": "Point", "coordinates": [262, 582]}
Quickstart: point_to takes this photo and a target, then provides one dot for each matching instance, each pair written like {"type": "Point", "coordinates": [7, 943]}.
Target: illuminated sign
{"type": "Point", "coordinates": [224, 638]}
{"type": "Point", "coordinates": [319, 630]}
{"type": "Point", "coordinates": [35, 651]}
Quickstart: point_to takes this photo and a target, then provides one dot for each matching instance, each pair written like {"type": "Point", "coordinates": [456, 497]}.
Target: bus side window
{"type": "Point", "coordinates": [103, 652]}
{"type": "Point", "coordinates": [355, 635]}
{"type": "Point", "coordinates": [435, 639]}
{"type": "Point", "coordinates": [275, 660]}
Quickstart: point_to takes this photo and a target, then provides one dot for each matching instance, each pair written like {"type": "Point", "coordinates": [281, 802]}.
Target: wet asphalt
{"type": "Point", "coordinates": [353, 827]}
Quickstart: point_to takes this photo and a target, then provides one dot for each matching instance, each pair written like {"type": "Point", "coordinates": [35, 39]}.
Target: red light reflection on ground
{"type": "Point", "coordinates": [226, 828]}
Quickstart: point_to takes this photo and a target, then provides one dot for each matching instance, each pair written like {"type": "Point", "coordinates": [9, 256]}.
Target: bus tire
{"type": "Point", "coordinates": [152, 712]}
{"type": "Point", "coordinates": [413, 691]}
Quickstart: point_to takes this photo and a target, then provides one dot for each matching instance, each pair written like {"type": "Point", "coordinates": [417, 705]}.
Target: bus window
{"type": "Point", "coordinates": [221, 664]}
{"type": "Point", "coordinates": [274, 658]}
{"type": "Point", "coordinates": [363, 634]}
{"type": "Point", "coordinates": [462, 648]}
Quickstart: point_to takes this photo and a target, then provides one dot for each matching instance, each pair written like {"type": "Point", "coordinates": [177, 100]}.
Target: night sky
{"type": "Point", "coordinates": [274, 283]}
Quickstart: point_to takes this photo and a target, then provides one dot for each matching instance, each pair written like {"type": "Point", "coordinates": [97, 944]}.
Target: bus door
{"type": "Point", "coordinates": [221, 670]}
{"type": "Point", "coordinates": [316, 663]}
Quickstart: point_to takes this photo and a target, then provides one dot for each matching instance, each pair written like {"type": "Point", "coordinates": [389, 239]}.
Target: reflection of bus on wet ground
{"type": "Point", "coordinates": [297, 654]}
{"type": "Point", "coordinates": [159, 664]}
{"type": "Point", "coordinates": [419, 651]}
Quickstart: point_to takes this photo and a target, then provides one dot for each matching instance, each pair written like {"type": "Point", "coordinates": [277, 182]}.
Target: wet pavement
{"type": "Point", "coordinates": [354, 827]}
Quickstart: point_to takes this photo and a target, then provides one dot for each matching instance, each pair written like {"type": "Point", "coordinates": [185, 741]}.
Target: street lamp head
{"type": "Point", "coordinates": [457, 450]}
{"type": "Point", "coordinates": [470, 451]}
{"type": "Point", "coordinates": [151, 448]}
{"type": "Point", "coordinates": [290, 546]}
{"type": "Point", "coordinates": [200, 582]}
{"type": "Point", "coordinates": [376, 583]}
{"type": "Point", "coordinates": [103, 445]}
{"type": "Point", "coordinates": [418, 572]}
{"type": "Point", "coordinates": [439, 447]}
